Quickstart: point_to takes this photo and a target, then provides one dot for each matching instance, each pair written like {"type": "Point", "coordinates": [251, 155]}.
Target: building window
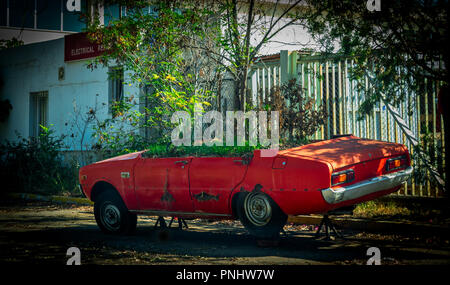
{"type": "Point", "coordinates": [115, 92]}
{"type": "Point", "coordinates": [42, 14]}
{"type": "Point", "coordinates": [53, 14]}
{"type": "Point", "coordinates": [48, 14]}
{"type": "Point", "coordinates": [38, 112]}
{"type": "Point", "coordinates": [111, 13]}
{"type": "Point", "coordinates": [21, 13]}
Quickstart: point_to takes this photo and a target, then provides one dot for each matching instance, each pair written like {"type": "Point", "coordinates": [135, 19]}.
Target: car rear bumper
{"type": "Point", "coordinates": [366, 187]}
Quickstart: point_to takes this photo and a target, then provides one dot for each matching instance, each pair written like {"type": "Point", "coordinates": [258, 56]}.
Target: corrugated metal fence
{"type": "Point", "coordinates": [328, 82]}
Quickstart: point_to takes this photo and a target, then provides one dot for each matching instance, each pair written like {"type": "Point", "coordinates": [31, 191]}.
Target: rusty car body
{"type": "Point", "coordinates": [259, 191]}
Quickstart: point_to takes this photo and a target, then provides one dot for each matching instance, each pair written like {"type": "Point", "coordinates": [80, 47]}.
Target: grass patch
{"type": "Point", "coordinates": [373, 209]}
{"type": "Point", "coordinates": [434, 212]}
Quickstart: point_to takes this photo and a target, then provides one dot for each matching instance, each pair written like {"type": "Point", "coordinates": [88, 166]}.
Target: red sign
{"type": "Point", "coordinates": [77, 46]}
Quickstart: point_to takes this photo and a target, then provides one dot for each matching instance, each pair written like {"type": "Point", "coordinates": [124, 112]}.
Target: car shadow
{"type": "Point", "coordinates": [297, 247]}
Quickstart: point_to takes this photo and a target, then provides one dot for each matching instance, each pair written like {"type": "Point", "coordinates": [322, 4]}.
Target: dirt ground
{"type": "Point", "coordinates": [41, 233]}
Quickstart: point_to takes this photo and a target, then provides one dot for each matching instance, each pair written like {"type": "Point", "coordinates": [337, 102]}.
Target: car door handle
{"type": "Point", "coordinates": [181, 161]}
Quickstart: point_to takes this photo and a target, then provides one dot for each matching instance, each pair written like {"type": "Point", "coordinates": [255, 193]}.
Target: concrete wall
{"type": "Point", "coordinates": [34, 68]}
{"type": "Point", "coordinates": [29, 36]}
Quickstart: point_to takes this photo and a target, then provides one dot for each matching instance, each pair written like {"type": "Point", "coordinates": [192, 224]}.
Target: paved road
{"type": "Point", "coordinates": [41, 233]}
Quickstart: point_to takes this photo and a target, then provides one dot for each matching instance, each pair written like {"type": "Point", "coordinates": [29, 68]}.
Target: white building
{"type": "Point", "coordinates": [46, 86]}
{"type": "Point", "coordinates": [44, 89]}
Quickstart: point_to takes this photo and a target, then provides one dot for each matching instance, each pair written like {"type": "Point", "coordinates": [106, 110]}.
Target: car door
{"type": "Point", "coordinates": [162, 184]}
{"type": "Point", "coordinates": [212, 179]}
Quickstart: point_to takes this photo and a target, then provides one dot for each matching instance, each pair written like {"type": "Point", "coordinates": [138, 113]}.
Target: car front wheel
{"type": "Point", "coordinates": [260, 215]}
{"type": "Point", "coordinates": [112, 216]}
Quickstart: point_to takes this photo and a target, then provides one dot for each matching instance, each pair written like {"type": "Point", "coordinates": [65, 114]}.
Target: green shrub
{"type": "Point", "coordinates": [35, 165]}
{"type": "Point", "coordinates": [299, 114]}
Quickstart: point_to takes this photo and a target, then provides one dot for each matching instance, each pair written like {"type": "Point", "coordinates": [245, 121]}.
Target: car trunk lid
{"type": "Point", "coordinates": [345, 151]}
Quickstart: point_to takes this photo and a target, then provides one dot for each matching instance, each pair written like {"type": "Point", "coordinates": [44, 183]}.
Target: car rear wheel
{"type": "Point", "coordinates": [112, 216]}
{"type": "Point", "coordinates": [260, 215]}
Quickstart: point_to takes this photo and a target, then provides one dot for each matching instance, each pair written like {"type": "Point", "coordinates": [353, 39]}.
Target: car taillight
{"type": "Point", "coordinates": [342, 177]}
{"type": "Point", "coordinates": [396, 163]}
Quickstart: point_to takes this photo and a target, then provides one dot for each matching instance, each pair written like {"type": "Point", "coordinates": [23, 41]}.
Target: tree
{"type": "Point", "coordinates": [149, 48]}
{"type": "Point", "coordinates": [397, 47]}
{"type": "Point", "coordinates": [245, 28]}
{"type": "Point", "coordinates": [167, 54]}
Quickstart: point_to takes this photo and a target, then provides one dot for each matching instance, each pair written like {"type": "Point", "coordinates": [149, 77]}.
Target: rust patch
{"type": "Point", "coordinates": [257, 188]}
{"type": "Point", "coordinates": [167, 197]}
{"type": "Point", "coordinates": [205, 197]}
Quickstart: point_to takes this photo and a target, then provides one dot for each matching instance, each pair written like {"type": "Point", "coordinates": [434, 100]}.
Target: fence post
{"type": "Point", "coordinates": [284, 66]}
{"type": "Point", "coordinates": [288, 65]}
{"type": "Point", "coordinates": [293, 57]}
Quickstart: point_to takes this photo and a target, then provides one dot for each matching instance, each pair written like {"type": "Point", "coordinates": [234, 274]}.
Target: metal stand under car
{"type": "Point", "coordinates": [329, 226]}
{"type": "Point", "coordinates": [181, 223]}
{"type": "Point", "coordinates": [161, 223]}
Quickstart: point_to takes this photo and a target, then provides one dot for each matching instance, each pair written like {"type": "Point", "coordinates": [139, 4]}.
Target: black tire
{"type": "Point", "coordinates": [112, 216]}
{"type": "Point", "coordinates": [260, 215]}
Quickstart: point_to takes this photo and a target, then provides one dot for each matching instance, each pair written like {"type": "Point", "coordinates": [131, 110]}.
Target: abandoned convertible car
{"type": "Point", "coordinates": [259, 191]}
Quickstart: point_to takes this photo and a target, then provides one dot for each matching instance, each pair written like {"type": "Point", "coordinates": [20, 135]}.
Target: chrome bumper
{"type": "Point", "coordinates": [366, 187]}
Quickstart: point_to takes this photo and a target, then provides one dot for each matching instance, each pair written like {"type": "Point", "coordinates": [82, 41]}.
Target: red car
{"type": "Point", "coordinates": [260, 191]}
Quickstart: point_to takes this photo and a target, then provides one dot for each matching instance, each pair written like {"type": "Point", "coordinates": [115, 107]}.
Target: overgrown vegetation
{"type": "Point", "coordinates": [169, 52]}
{"type": "Point", "coordinates": [36, 165]}
{"type": "Point", "coordinates": [180, 151]}
{"type": "Point", "coordinates": [148, 47]}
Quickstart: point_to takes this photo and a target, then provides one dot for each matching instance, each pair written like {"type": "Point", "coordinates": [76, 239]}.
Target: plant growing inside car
{"type": "Point", "coordinates": [148, 47]}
